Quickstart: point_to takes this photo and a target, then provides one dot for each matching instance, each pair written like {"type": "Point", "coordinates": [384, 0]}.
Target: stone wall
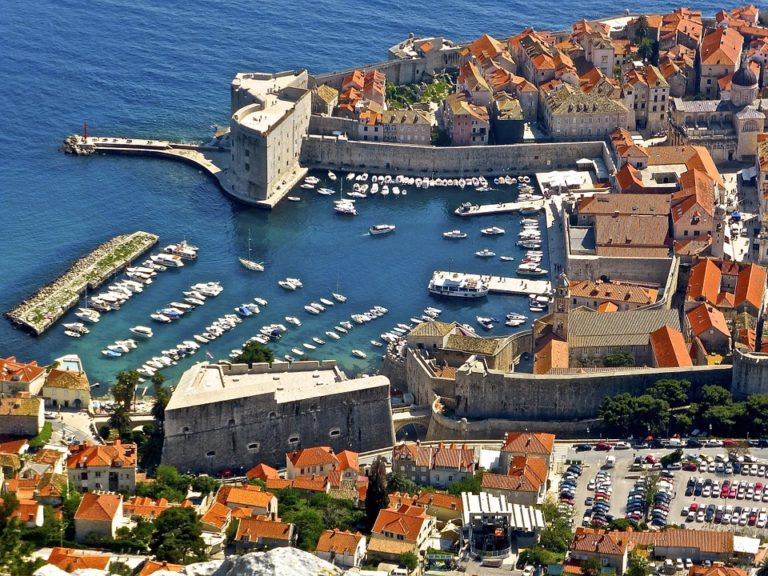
{"type": "Point", "coordinates": [629, 269]}
{"type": "Point", "coordinates": [750, 373]}
{"type": "Point", "coordinates": [332, 153]}
{"type": "Point", "coordinates": [327, 125]}
{"type": "Point", "coordinates": [486, 394]}
{"type": "Point", "coordinates": [394, 369]}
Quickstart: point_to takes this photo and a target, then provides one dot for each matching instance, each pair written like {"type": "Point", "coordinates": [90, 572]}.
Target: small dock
{"type": "Point", "coordinates": [529, 207]}
{"type": "Point", "coordinates": [508, 285]}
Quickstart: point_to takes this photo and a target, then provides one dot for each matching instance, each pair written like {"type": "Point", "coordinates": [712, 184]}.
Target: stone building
{"type": "Point", "coordinates": [110, 467]}
{"type": "Point", "coordinates": [437, 466]}
{"type": "Point", "coordinates": [16, 376]}
{"type": "Point", "coordinates": [402, 126]}
{"type": "Point", "coordinates": [341, 548]}
{"type": "Point", "coordinates": [236, 417]}
{"type": "Point", "coordinates": [569, 114]}
{"type": "Point", "coordinates": [720, 55]}
{"type": "Point", "coordinates": [67, 389]}
{"type": "Point", "coordinates": [467, 124]}
{"type": "Point", "coordinates": [21, 415]}
{"type": "Point", "coordinates": [324, 99]}
{"type": "Point", "coordinates": [645, 94]}
{"type": "Point", "coordinates": [270, 117]}
{"type": "Point", "coordinates": [99, 514]}
{"type": "Point", "coordinates": [262, 534]}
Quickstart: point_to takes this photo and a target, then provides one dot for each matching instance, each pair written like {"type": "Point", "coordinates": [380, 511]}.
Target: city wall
{"type": "Point", "coordinates": [628, 269]}
{"type": "Point", "coordinates": [331, 153]}
{"type": "Point", "coordinates": [750, 373]}
{"type": "Point", "coordinates": [327, 125]}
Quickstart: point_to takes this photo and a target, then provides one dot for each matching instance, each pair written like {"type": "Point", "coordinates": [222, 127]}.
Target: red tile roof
{"type": "Point", "coordinates": [405, 520]}
{"type": "Point", "coordinates": [100, 507]}
{"type": "Point", "coordinates": [669, 348]}
{"type": "Point", "coordinates": [721, 47]}
{"type": "Point", "coordinates": [218, 515]}
{"type": "Point", "coordinates": [152, 566]}
{"type": "Point", "coordinates": [348, 460]}
{"type": "Point", "coordinates": [145, 507]}
{"type": "Point", "coordinates": [260, 527]}
{"type": "Point", "coordinates": [537, 443]}
{"type": "Point", "coordinates": [262, 472]}
{"type": "Point", "coordinates": [750, 286]}
{"type": "Point", "coordinates": [11, 370]}
{"type": "Point", "coordinates": [600, 542]}
{"type": "Point", "coordinates": [706, 317]}
{"type": "Point", "coordinates": [703, 282]}
{"type": "Point", "coordinates": [115, 454]}
{"type": "Point", "coordinates": [339, 542]}
{"type": "Point", "coordinates": [315, 456]}
{"type": "Point", "coordinates": [69, 559]}
{"type": "Point", "coordinates": [706, 541]}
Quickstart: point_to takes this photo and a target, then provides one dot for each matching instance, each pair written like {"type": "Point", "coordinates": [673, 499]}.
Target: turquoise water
{"type": "Point", "coordinates": [163, 70]}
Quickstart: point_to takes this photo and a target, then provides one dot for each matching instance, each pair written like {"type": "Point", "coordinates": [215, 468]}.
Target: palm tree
{"type": "Point", "coordinates": [120, 419]}
{"type": "Point", "coordinates": [763, 570]}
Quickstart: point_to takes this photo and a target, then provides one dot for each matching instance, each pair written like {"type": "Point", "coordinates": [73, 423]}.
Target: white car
{"type": "Point", "coordinates": [50, 415]}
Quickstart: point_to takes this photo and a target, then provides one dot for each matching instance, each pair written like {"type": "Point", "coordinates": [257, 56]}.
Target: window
{"type": "Point", "coordinates": [247, 167]}
{"type": "Point", "coordinates": [231, 422]}
{"type": "Point", "coordinates": [335, 432]}
{"type": "Point", "coordinates": [294, 439]}
{"type": "Point", "coordinates": [272, 415]}
{"type": "Point", "coordinates": [247, 152]}
{"type": "Point", "coordinates": [210, 454]}
{"type": "Point", "coordinates": [253, 447]}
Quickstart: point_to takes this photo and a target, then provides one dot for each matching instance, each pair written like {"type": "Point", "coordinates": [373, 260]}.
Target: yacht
{"type": "Point", "coordinates": [359, 354]}
{"type": "Point", "coordinates": [183, 249]}
{"type": "Point", "coordinates": [332, 335]}
{"type": "Point", "coordinates": [485, 322]}
{"type": "Point", "coordinates": [339, 297]}
{"type": "Point", "coordinates": [326, 302]}
{"type": "Point", "coordinates": [455, 235]}
{"type": "Point", "coordinates": [143, 331]}
{"type": "Point", "coordinates": [378, 229]}
{"type": "Point", "coordinates": [293, 320]}
{"type": "Point", "coordinates": [77, 327]}
{"type": "Point", "coordinates": [458, 285]}
{"type": "Point", "coordinates": [485, 253]}
{"type": "Point", "coordinates": [492, 231]}
{"type": "Point", "coordinates": [345, 208]}
{"type": "Point", "coordinates": [531, 269]}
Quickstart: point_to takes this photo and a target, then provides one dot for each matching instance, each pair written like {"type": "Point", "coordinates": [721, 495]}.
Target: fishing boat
{"type": "Point", "coordinates": [485, 253]}
{"type": "Point", "coordinates": [339, 297]}
{"type": "Point", "coordinates": [143, 331]}
{"type": "Point", "coordinates": [455, 235]}
{"type": "Point", "coordinates": [492, 231]}
{"type": "Point", "coordinates": [378, 229]}
{"type": "Point", "coordinates": [359, 354]}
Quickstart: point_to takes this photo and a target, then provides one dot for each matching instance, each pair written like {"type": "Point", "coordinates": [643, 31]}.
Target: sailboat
{"type": "Point", "coordinates": [247, 262]}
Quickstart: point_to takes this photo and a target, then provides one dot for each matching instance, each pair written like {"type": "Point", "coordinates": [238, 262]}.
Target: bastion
{"type": "Point", "coordinates": [233, 416]}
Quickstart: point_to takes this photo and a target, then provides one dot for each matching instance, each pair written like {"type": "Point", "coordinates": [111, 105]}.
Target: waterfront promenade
{"type": "Point", "coordinates": [506, 285]}
{"type": "Point", "coordinates": [529, 207]}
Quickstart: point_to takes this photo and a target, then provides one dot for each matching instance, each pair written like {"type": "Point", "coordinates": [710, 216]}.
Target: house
{"type": "Point", "coordinates": [145, 507]}
{"type": "Point", "coordinates": [703, 284]}
{"type": "Point", "coordinates": [262, 472]}
{"type": "Point", "coordinates": [698, 545]}
{"type": "Point", "coordinates": [467, 124]}
{"type": "Point", "coordinates": [670, 349]}
{"type": "Point", "coordinates": [508, 119]}
{"type": "Point", "coordinates": [645, 93]}
{"type": "Point", "coordinates": [29, 513]}
{"type": "Point", "coordinates": [16, 376]}
{"type": "Point", "coordinates": [444, 507]}
{"type": "Point", "coordinates": [526, 444]}
{"type": "Point", "coordinates": [750, 290]}
{"type": "Point", "coordinates": [216, 518]}
{"type": "Point", "coordinates": [623, 295]}
{"type": "Point", "coordinates": [250, 498]}
{"type": "Point", "coordinates": [69, 559]}
{"type": "Point", "coordinates": [438, 466]}
{"type": "Point", "coordinates": [473, 84]}
{"type": "Point", "coordinates": [152, 566]}
{"type": "Point", "coordinates": [570, 114]}
{"type": "Point", "coordinates": [314, 483]}
{"type": "Point", "coordinates": [717, 570]}
{"type": "Point", "coordinates": [525, 481]}
{"type": "Point", "coordinates": [399, 530]}
{"type": "Point", "coordinates": [324, 100]}
{"type": "Point", "coordinates": [693, 207]}
{"type": "Point", "coordinates": [108, 467]}
{"type": "Point", "coordinates": [681, 27]}
{"type": "Point", "coordinates": [341, 548]}
{"type": "Point", "coordinates": [100, 514]}
{"type": "Point", "coordinates": [67, 388]}
{"type": "Point", "coordinates": [720, 55]}
{"type": "Point", "coordinates": [610, 548]}
{"type": "Point", "coordinates": [263, 534]}
{"type": "Point", "coordinates": [21, 415]}
{"type": "Point", "coordinates": [707, 324]}
{"type": "Point", "coordinates": [315, 460]}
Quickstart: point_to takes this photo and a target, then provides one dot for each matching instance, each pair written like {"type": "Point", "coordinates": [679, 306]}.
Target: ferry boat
{"type": "Point", "coordinates": [492, 231]}
{"type": "Point", "coordinates": [455, 235]}
{"type": "Point", "coordinates": [378, 229]}
{"type": "Point", "coordinates": [458, 285]}
{"type": "Point", "coordinates": [485, 253]}
{"type": "Point", "coordinates": [183, 249]}
{"type": "Point", "coordinates": [143, 331]}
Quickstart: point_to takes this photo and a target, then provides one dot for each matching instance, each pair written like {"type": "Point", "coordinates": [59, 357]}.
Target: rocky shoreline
{"type": "Point", "coordinates": [43, 308]}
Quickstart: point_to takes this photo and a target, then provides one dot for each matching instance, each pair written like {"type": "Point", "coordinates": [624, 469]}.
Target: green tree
{"type": "Point", "coordinates": [409, 560]}
{"type": "Point", "coordinates": [557, 534]}
{"type": "Point", "coordinates": [672, 457]}
{"type": "Point", "coordinates": [376, 498]}
{"type": "Point", "coordinates": [763, 569]}
{"type": "Point", "coordinates": [641, 28]}
{"type": "Point", "coordinates": [168, 484]}
{"type": "Point", "coordinates": [177, 537]}
{"type": "Point", "coordinates": [645, 48]}
{"type": "Point", "coordinates": [756, 415]}
{"type": "Point", "coordinates": [637, 565]}
{"type": "Point", "coordinates": [396, 482]}
{"type": "Point", "coordinates": [205, 484]}
{"type": "Point", "coordinates": [162, 396]}
{"type": "Point", "coordinates": [472, 484]}
{"type": "Point", "coordinates": [675, 392]}
{"type": "Point", "coordinates": [651, 489]}
{"type": "Point", "coordinates": [618, 359]}
{"type": "Point", "coordinates": [120, 569]}
{"type": "Point", "coordinates": [538, 556]}
{"type": "Point", "coordinates": [309, 525]}
{"type": "Point", "coordinates": [124, 389]}
{"type": "Point", "coordinates": [591, 567]}
{"type": "Point", "coordinates": [13, 550]}
{"type": "Point", "coordinates": [254, 353]}
{"type": "Point", "coordinates": [120, 419]}
{"type": "Point", "coordinates": [635, 415]}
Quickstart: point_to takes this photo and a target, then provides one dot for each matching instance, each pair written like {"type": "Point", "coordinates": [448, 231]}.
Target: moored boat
{"type": "Point", "coordinates": [378, 229]}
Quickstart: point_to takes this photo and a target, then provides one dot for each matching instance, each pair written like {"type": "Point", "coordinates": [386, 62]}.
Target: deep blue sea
{"type": "Point", "coordinates": [162, 69]}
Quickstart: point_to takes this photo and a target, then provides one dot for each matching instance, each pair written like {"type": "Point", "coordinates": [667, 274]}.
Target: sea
{"type": "Point", "coordinates": [162, 70]}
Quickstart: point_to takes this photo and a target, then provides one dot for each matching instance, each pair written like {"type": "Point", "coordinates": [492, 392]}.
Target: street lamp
{"type": "Point", "coordinates": [710, 429]}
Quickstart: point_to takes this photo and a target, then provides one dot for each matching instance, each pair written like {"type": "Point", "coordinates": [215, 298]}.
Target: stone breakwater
{"type": "Point", "coordinates": [41, 310]}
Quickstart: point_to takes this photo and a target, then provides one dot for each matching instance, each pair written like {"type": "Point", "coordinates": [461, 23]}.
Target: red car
{"type": "Point", "coordinates": [690, 467]}
{"type": "Point", "coordinates": [724, 492]}
{"type": "Point", "coordinates": [650, 459]}
{"type": "Point", "coordinates": [603, 446]}
{"type": "Point", "coordinates": [732, 493]}
{"type": "Point", "coordinates": [729, 442]}
{"type": "Point", "coordinates": [693, 507]}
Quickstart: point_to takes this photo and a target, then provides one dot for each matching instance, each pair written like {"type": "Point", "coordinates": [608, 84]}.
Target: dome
{"type": "Point", "coordinates": [744, 77]}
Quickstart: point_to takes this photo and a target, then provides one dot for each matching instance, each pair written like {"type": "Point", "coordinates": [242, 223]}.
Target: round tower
{"type": "Point", "coordinates": [743, 86]}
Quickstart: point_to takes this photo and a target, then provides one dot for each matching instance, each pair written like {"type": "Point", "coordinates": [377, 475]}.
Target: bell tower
{"type": "Point", "coordinates": [718, 235]}
{"type": "Point", "coordinates": [561, 307]}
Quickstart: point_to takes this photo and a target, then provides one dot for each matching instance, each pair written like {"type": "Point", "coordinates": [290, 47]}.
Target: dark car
{"type": "Point", "coordinates": [693, 443]}
{"type": "Point", "coordinates": [697, 490]}
{"type": "Point", "coordinates": [583, 447]}
{"type": "Point", "coordinates": [689, 491]}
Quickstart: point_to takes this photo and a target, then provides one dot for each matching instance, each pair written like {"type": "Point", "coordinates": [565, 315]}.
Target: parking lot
{"type": "Point", "coordinates": [723, 495]}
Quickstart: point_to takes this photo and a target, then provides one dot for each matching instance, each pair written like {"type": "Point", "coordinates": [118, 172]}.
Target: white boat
{"type": "Point", "coordinates": [332, 335]}
{"type": "Point", "coordinates": [309, 346]}
{"type": "Point", "coordinates": [485, 322]}
{"type": "Point", "coordinates": [485, 253]}
{"type": "Point", "coordinates": [492, 231]}
{"type": "Point", "coordinates": [385, 190]}
{"type": "Point", "coordinates": [531, 269]}
{"type": "Point", "coordinates": [307, 186]}
{"type": "Point", "coordinates": [317, 306]}
{"type": "Point", "coordinates": [351, 176]}
{"type": "Point", "coordinates": [507, 258]}
{"type": "Point", "coordinates": [77, 327]}
{"type": "Point", "coordinates": [377, 343]}
{"type": "Point", "coordinates": [455, 235]}
{"type": "Point", "coordinates": [326, 302]}
{"type": "Point", "coordinates": [294, 199]}
{"type": "Point", "coordinates": [297, 351]}
{"type": "Point", "coordinates": [317, 340]}
{"type": "Point", "coordinates": [260, 301]}
{"type": "Point", "coordinates": [332, 176]}
{"type": "Point", "coordinates": [157, 317]}
{"type": "Point", "coordinates": [296, 282]}
{"type": "Point", "coordinates": [311, 179]}
{"type": "Point", "coordinates": [183, 249]}
{"type": "Point", "coordinates": [340, 329]}
{"type": "Point", "coordinates": [311, 309]}
{"type": "Point", "coordinates": [195, 301]}
{"type": "Point", "coordinates": [72, 333]}
{"type": "Point", "coordinates": [326, 191]}
{"type": "Point", "coordinates": [293, 320]}
{"type": "Point", "coordinates": [111, 353]}
{"type": "Point", "coordinates": [339, 297]}
{"type": "Point", "coordinates": [345, 208]}
{"type": "Point", "coordinates": [457, 285]}
{"type": "Point", "coordinates": [248, 262]}
{"type": "Point", "coordinates": [288, 357]}
{"type": "Point", "coordinates": [200, 338]}
{"type": "Point", "coordinates": [359, 354]}
{"type": "Point", "coordinates": [378, 229]}
{"type": "Point", "coordinates": [143, 331]}
{"type": "Point", "coordinates": [287, 285]}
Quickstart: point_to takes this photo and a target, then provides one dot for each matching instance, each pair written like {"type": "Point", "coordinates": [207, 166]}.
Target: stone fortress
{"type": "Point", "coordinates": [232, 416]}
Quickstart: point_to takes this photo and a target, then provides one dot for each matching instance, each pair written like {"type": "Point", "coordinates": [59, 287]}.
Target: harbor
{"type": "Point", "coordinates": [528, 207]}
{"type": "Point", "coordinates": [41, 310]}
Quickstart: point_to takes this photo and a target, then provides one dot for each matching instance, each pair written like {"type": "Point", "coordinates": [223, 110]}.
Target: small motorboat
{"type": "Point", "coordinates": [485, 253]}
{"type": "Point", "coordinates": [378, 229]}
{"type": "Point", "coordinates": [111, 353]}
{"type": "Point", "coordinates": [359, 354]}
{"type": "Point", "coordinates": [72, 334]}
{"type": "Point", "coordinates": [309, 346]}
{"type": "Point", "coordinates": [326, 302]}
{"type": "Point", "coordinates": [492, 231]}
{"type": "Point", "coordinates": [288, 357]}
{"type": "Point", "coordinates": [377, 343]}
{"type": "Point", "coordinates": [297, 351]}
{"type": "Point", "coordinates": [340, 329]}
{"type": "Point", "coordinates": [200, 338]}
{"type": "Point", "coordinates": [311, 309]}
{"type": "Point", "coordinates": [455, 235]}
{"type": "Point", "coordinates": [486, 322]}
{"type": "Point", "coordinates": [339, 297]}
{"type": "Point", "coordinates": [158, 317]}
{"type": "Point", "coordinates": [332, 335]}
{"type": "Point", "coordinates": [332, 176]}
{"type": "Point", "coordinates": [260, 301]}
{"type": "Point", "coordinates": [507, 258]}
{"type": "Point", "coordinates": [317, 340]}
{"type": "Point", "coordinates": [293, 320]}
{"type": "Point", "coordinates": [296, 198]}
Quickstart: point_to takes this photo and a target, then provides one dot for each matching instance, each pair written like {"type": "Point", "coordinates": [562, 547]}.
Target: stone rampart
{"type": "Point", "coordinates": [750, 373]}
{"type": "Point", "coordinates": [629, 269]}
{"type": "Point", "coordinates": [327, 125]}
{"type": "Point", "coordinates": [331, 153]}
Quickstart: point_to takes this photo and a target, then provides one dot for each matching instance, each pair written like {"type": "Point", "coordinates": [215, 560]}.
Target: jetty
{"type": "Point", "coordinates": [528, 207]}
{"type": "Point", "coordinates": [41, 310]}
{"type": "Point", "coordinates": [508, 285]}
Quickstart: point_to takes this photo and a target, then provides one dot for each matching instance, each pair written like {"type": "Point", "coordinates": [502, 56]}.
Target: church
{"type": "Point", "coordinates": [573, 340]}
{"type": "Point", "coordinates": [727, 127]}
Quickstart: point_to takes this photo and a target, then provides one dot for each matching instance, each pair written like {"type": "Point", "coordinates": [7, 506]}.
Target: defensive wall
{"type": "Point", "coordinates": [750, 373]}
{"type": "Point", "coordinates": [334, 153]}
{"type": "Point", "coordinates": [328, 125]}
